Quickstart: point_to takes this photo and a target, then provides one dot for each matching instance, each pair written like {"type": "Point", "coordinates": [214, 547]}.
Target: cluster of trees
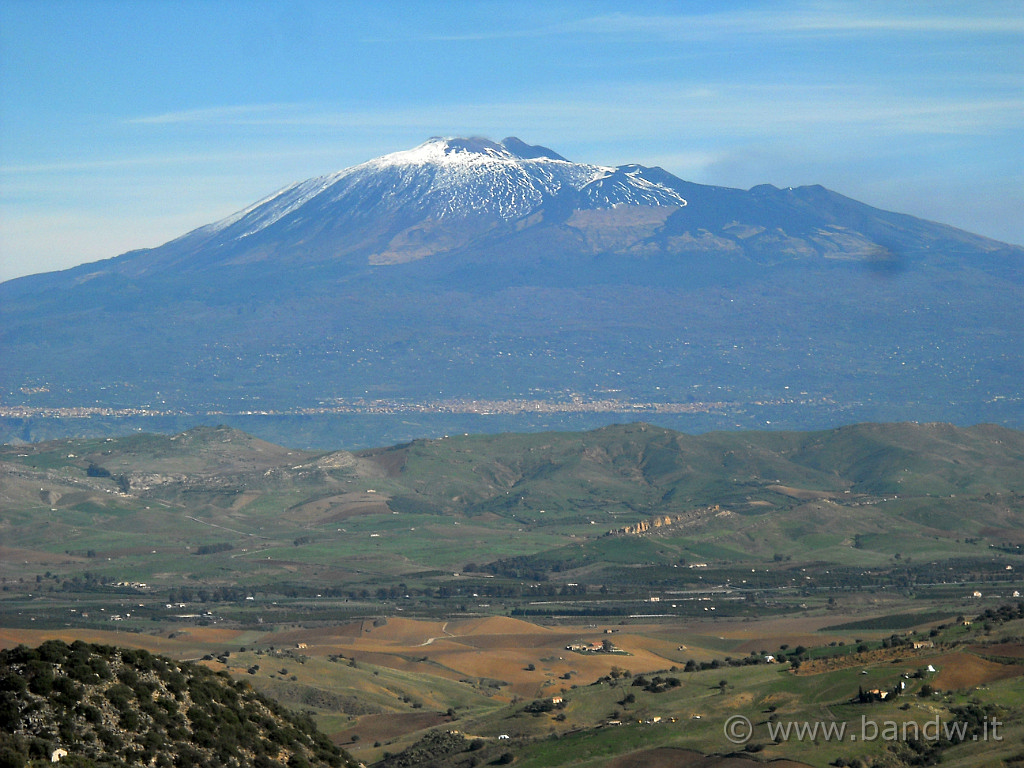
{"type": "Point", "coordinates": [522, 567]}
{"type": "Point", "coordinates": [976, 720]}
{"type": "Point", "coordinates": [513, 590]}
{"type": "Point", "coordinates": [434, 745]}
{"type": "Point", "coordinates": [1004, 613]}
{"type": "Point", "coordinates": [203, 595]}
{"type": "Point", "coordinates": [796, 656]}
{"type": "Point", "coordinates": [656, 684]}
{"type": "Point", "coordinates": [868, 697]}
{"type": "Point", "coordinates": [84, 582]}
{"type": "Point", "coordinates": [614, 674]}
{"type": "Point", "coordinates": [212, 549]}
{"type": "Point", "coordinates": [901, 575]}
{"type": "Point", "coordinates": [540, 706]}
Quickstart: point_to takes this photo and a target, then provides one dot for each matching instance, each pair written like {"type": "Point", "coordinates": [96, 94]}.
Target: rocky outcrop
{"type": "Point", "coordinates": [666, 521]}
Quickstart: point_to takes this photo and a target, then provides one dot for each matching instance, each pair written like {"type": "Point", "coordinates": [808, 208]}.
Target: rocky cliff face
{"type": "Point", "coordinates": [659, 522]}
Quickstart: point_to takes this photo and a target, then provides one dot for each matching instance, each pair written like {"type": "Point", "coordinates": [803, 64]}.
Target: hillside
{"type": "Point", "coordinates": [661, 469]}
{"type": "Point", "coordinates": [97, 705]}
{"type": "Point", "coordinates": [603, 520]}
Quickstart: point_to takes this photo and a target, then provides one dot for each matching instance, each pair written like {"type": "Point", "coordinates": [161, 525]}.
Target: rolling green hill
{"type": "Point", "coordinates": [623, 509]}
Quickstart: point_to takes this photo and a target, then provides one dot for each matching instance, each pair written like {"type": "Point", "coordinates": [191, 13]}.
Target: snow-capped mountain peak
{"type": "Point", "coordinates": [471, 151]}
{"type": "Point", "coordinates": [451, 178]}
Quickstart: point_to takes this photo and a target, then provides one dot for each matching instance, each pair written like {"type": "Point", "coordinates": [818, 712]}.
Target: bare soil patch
{"type": "Point", "coordinates": [802, 493]}
{"type": "Point", "coordinates": [878, 656]}
{"type": "Point", "coordinates": [1007, 650]}
{"type": "Point", "coordinates": [494, 625]}
{"type": "Point", "coordinates": [957, 671]}
{"type": "Point", "coordinates": [10, 638]}
{"type": "Point", "coordinates": [495, 642]}
{"type": "Point", "coordinates": [392, 462]}
{"type": "Point", "coordinates": [245, 498]}
{"type": "Point", "coordinates": [776, 628]}
{"type": "Point", "coordinates": [339, 507]}
{"type": "Point", "coordinates": [498, 648]}
{"type": "Point", "coordinates": [339, 633]}
{"type": "Point", "coordinates": [376, 505]}
{"type": "Point", "coordinates": [772, 644]}
{"type": "Point", "coordinates": [12, 555]}
{"type": "Point", "coordinates": [405, 632]}
{"type": "Point", "coordinates": [385, 727]}
{"type": "Point", "coordinates": [428, 666]}
{"type": "Point", "coordinates": [209, 634]}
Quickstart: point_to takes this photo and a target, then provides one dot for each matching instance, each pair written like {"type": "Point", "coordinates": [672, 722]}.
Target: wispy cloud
{"type": "Point", "coordinates": [154, 160]}
{"type": "Point", "coordinates": [805, 20]}
{"type": "Point", "coordinates": [241, 114]}
{"type": "Point", "coordinates": [701, 108]}
{"type": "Point", "coordinates": [480, 35]}
{"type": "Point", "coordinates": [824, 19]}
{"type": "Point", "coordinates": [763, 109]}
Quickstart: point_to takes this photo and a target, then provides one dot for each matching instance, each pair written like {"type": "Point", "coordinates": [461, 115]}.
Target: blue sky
{"type": "Point", "coordinates": [125, 124]}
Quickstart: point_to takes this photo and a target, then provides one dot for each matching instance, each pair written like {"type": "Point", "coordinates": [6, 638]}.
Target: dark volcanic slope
{"type": "Point", "coordinates": [473, 269]}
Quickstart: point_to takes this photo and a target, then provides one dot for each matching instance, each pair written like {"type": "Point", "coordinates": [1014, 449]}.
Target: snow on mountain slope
{"type": "Point", "coordinates": [452, 178]}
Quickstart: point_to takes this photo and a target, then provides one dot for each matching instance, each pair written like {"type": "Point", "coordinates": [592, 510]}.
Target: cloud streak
{"type": "Point", "coordinates": [824, 20]}
{"type": "Point", "coordinates": [645, 107]}
{"type": "Point", "coordinates": [236, 114]}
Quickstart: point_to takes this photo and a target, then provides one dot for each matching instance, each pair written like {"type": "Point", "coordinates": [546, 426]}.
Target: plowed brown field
{"type": "Point", "coordinates": [957, 671]}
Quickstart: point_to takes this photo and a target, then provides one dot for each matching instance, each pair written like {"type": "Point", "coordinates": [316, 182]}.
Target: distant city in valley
{"type": "Point", "coordinates": [479, 407]}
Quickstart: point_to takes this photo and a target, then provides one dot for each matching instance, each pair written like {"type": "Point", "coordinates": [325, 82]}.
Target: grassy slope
{"type": "Point", "coordinates": [855, 495]}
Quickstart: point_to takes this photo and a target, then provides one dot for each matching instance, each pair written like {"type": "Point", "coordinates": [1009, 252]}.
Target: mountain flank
{"type": "Point", "coordinates": [468, 278]}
